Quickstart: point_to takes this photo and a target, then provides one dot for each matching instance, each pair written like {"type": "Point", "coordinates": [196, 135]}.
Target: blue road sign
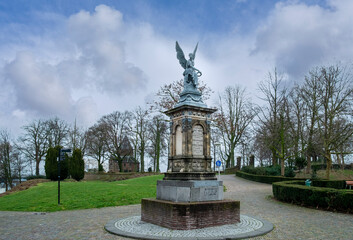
{"type": "Point", "coordinates": [218, 163]}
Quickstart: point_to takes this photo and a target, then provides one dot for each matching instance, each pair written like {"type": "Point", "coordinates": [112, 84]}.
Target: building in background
{"type": "Point", "coordinates": [129, 163]}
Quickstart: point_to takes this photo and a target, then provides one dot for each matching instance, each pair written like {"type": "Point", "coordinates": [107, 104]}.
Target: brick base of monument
{"type": "Point", "coordinates": [192, 215]}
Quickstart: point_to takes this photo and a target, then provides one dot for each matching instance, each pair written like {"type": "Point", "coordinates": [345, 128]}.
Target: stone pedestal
{"type": "Point", "coordinates": [186, 216]}
{"type": "Point", "coordinates": [190, 176]}
{"type": "Point", "coordinates": [189, 191]}
{"type": "Point", "coordinates": [190, 197]}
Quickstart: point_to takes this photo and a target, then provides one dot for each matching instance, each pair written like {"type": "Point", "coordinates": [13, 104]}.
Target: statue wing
{"type": "Point", "coordinates": [180, 55]}
{"type": "Point", "coordinates": [194, 54]}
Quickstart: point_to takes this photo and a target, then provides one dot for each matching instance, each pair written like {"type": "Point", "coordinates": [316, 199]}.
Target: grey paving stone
{"type": "Point", "coordinates": [134, 227]}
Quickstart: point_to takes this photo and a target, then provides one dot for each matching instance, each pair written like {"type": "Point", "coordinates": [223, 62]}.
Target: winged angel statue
{"type": "Point", "coordinates": [191, 74]}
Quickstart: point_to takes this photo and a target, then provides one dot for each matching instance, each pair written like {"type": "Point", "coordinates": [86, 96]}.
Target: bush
{"type": "Point", "coordinates": [337, 184]}
{"type": "Point", "coordinates": [273, 170]}
{"type": "Point", "coordinates": [300, 162]}
{"type": "Point", "coordinates": [51, 164]}
{"type": "Point", "coordinates": [319, 197]}
{"type": "Point", "coordinates": [267, 171]}
{"type": "Point", "coordinates": [249, 169]}
{"type": "Point", "coordinates": [100, 168]}
{"type": "Point", "coordinates": [264, 179]}
{"type": "Point", "coordinates": [231, 170]}
{"type": "Point", "coordinates": [30, 177]}
{"type": "Point", "coordinates": [289, 172]}
{"type": "Point", "coordinates": [77, 165]}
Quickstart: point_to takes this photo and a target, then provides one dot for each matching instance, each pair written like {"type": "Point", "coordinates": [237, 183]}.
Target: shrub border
{"type": "Point", "coordinates": [265, 179]}
{"type": "Point", "coordinates": [318, 197]}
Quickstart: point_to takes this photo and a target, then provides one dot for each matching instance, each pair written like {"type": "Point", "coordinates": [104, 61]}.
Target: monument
{"type": "Point", "coordinates": [190, 196]}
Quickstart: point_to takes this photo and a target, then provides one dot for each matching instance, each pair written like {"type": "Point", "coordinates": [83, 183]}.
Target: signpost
{"type": "Point", "coordinates": [218, 164]}
{"type": "Point", "coordinates": [61, 158]}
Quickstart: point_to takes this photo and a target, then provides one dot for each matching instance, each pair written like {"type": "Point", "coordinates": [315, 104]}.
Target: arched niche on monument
{"type": "Point", "coordinates": [197, 140]}
{"type": "Point", "coordinates": [178, 141]}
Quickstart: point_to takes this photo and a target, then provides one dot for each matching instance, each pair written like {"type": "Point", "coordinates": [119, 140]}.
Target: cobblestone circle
{"type": "Point", "coordinates": [290, 221]}
{"type": "Point", "coordinates": [133, 226]}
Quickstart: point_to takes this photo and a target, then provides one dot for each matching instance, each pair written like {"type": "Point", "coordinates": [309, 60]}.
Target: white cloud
{"type": "Point", "coordinates": [93, 63]}
{"type": "Point", "coordinates": [299, 36]}
{"type": "Point", "coordinates": [99, 39]}
{"type": "Point", "coordinates": [86, 111]}
{"type": "Point", "coordinates": [80, 72]}
{"type": "Point", "coordinates": [37, 87]}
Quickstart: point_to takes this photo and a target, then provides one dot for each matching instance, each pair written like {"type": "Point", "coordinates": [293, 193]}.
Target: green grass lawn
{"type": "Point", "coordinates": [334, 175]}
{"type": "Point", "coordinates": [81, 195]}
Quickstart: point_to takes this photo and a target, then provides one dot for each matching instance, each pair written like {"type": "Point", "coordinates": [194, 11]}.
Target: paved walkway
{"type": "Point", "coordinates": [291, 222]}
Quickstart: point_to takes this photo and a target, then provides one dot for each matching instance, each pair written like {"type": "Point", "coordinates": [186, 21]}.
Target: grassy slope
{"type": "Point", "coordinates": [81, 195]}
{"type": "Point", "coordinates": [334, 175]}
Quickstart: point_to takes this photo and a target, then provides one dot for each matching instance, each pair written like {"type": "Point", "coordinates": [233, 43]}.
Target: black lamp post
{"type": "Point", "coordinates": [61, 158]}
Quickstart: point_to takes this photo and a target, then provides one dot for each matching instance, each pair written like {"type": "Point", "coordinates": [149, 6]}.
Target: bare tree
{"type": "Point", "coordinates": [157, 130]}
{"type": "Point", "coordinates": [309, 93]}
{"type": "Point", "coordinates": [336, 99]}
{"type": "Point", "coordinates": [5, 158]}
{"type": "Point", "coordinates": [19, 164]}
{"type": "Point", "coordinates": [57, 131]}
{"type": "Point", "coordinates": [139, 126]}
{"type": "Point", "coordinates": [215, 145]}
{"type": "Point", "coordinates": [245, 147]}
{"type": "Point", "coordinates": [343, 148]}
{"type": "Point", "coordinates": [115, 125]}
{"type": "Point", "coordinates": [298, 116]}
{"type": "Point", "coordinates": [285, 139]}
{"type": "Point", "coordinates": [33, 142]}
{"type": "Point", "coordinates": [77, 138]}
{"type": "Point", "coordinates": [261, 150]}
{"type": "Point", "coordinates": [96, 143]}
{"type": "Point", "coordinates": [235, 114]}
{"type": "Point", "coordinates": [168, 95]}
{"type": "Point", "coordinates": [274, 95]}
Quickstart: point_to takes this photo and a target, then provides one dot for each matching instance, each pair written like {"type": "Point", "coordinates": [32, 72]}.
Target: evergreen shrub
{"type": "Point", "coordinates": [77, 165]}
{"type": "Point", "coordinates": [319, 197]}
{"type": "Point", "coordinates": [30, 177]}
{"type": "Point", "coordinates": [268, 171]}
{"type": "Point", "coordinates": [289, 172]}
{"type": "Point", "coordinates": [265, 179]}
{"type": "Point", "coordinates": [51, 164]}
{"type": "Point", "coordinates": [300, 162]}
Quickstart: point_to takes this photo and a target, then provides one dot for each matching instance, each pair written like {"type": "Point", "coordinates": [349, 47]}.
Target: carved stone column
{"type": "Point", "coordinates": [190, 151]}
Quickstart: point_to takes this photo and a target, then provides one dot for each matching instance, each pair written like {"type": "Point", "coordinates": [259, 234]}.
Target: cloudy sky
{"type": "Point", "coordinates": [86, 58]}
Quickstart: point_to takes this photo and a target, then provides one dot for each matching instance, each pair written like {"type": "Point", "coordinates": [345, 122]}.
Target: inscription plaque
{"type": "Point", "coordinates": [210, 192]}
{"type": "Point", "coordinates": [197, 140]}
{"type": "Point", "coordinates": [178, 142]}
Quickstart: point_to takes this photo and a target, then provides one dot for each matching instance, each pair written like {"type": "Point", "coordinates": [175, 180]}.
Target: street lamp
{"type": "Point", "coordinates": [217, 145]}
{"type": "Point", "coordinates": [61, 158]}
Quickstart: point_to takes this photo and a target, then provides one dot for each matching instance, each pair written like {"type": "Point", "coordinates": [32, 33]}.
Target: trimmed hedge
{"type": "Point", "coordinates": [337, 184]}
{"type": "Point", "coordinates": [319, 197]}
{"type": "Point", "coordinates": [231, 170]}
{"type": "Point", "coordinates": [30, 177]}
{"type": "Point", "coordinates": [265, 179]}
